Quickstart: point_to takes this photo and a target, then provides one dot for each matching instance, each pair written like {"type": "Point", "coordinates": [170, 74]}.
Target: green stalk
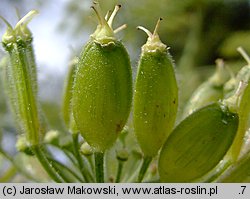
{"type": "Point", "coordinates": [8, 175]}
{"type": "Point", "coordinates": [59, 166]}
{"type": "Point", "coordinates": [99, 167]}
{"type": "Point", "coordinates": [119, 171]}
{"type": "Point", "coordinates": [144, 167]}
{"type": "Point", "coordinates": [67, 153]}
{"type": "Point", "coordinates": [11, 160]}
{"type": "Point", "coordinates": [237, 172]}
{"type": "Point", "coordinates": [82, 166]}
{"type": "Point", "coordinates": [91, 162]}
{"type": "Point", "coordinates": [47, 165]}
{"type": "Point", "coordinates": [71, 157]}
{"type": "Point", "coordinates": [132, 166]}
{"type": "Point", "coordinates": [218, 171]}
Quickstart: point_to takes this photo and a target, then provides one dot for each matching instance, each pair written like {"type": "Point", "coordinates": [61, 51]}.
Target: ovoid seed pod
{"type": "Point", "coordinates": [198, 143]}
{"type": "Point", "coordinates": [21, 79]}
{"type": "Point", "coordinates": [156, 95]}
{"type": "Point", "coordinates": [102, 91]}
{"type": "Point", "coordinates": [209, 91]}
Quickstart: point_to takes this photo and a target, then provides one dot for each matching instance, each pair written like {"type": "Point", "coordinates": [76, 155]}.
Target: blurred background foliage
{"type": "Point", "coordinates": [197, 32]}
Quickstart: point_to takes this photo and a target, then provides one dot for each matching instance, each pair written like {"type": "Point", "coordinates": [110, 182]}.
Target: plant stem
{"type": "Point", "coordinates": [219, 170]}
{"type": "Point", "coordinates": [70, 156]}
{"type": "Point", "coordinates": [8, 175]}
{"type": "Point", "coordinates": [133, 165]}
{"type": "Point", "coordinates": [19, 169]}
{"type": "Point", "coordinates": [83, 168]}
{"type": "Point", "coordinates": [57, 164]}
{"type": "Point", "coordinates": [99, 167]}
{"type": "Point", "coordinates": [119, 171]}
{"type": "Point", "coordinates": [38, 151]}
{"type": "Point", "coordinates": [238, 172]}
{"type": "Point", "coordinates": [144, 167]}
{"type": "Point", "coordinates": [91, 162]}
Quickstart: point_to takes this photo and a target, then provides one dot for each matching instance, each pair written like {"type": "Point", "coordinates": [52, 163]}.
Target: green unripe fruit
{"type": "Point", "coordinates": [209, 91]}
{"type": "Point", "coordinates": [20, 80]}
{"type": "Point", "coordinates": [198, 143]}
{"type": "Point", "coordinates": [102, 90]}
{"type": "Point", "coordinates": [156, 95]}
